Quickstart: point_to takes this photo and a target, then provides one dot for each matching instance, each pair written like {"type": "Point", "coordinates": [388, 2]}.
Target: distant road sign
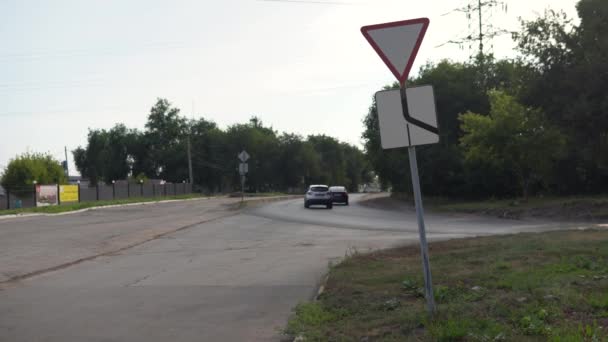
{"type": "Point", "coordinates": [416, 127]}
{"type": "Point", "coordinates": [243, 169]}
{"type": "Point", "coordinates": [244, 156]}
{"type": "Point", "coordinates": [397, 43]}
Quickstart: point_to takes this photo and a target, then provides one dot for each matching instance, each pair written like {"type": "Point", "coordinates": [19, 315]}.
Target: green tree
{"type": "Point", "coordinates": [206, 145]}
{"type": "Point", "coordinates": [458, 88]}
{"type": "Point", "coordinates": [298, 161]}
{"type": "Point", "coordinates": [278, 162]}
{"type": "Point", "coordinates": [166, 143]}
{"type": "Point", "coordinates": [570, 87]}
{"type": "Point", "coordinates": [28, 168]}
{"type": "Point", "coordinates": [262, 144]}
{"type": "Point", "coordinates": [108, 155]}
{"type": "Point", "coordinates": [331, 160]}
{"type": "Point", "coordinates": [356, 167]}
{"type": "Point", "coordinates": [512, 136]}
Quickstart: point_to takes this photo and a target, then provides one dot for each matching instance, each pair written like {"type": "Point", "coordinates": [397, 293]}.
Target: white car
{"type": "Point", "coordinates": [318, 195]}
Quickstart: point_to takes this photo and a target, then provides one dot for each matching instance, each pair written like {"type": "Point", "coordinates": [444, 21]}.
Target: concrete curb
{"type": "Point", "coordinates": [256, 200]}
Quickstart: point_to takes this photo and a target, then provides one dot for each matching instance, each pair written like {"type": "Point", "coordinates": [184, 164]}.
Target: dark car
{"type": "Point", "coordinates": [339, 194]}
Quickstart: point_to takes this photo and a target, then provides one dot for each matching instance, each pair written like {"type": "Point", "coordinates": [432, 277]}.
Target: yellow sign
{"type": "Point", "coordinates": [68, 193]}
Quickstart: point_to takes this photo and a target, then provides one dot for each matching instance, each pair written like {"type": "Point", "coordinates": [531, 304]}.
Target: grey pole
{"type": "Point", "coordinates": [190, 176]}
{"type": "Point", "coordinates": [242, 188]}
{"type": "Point", "coordinates": [424, 248]}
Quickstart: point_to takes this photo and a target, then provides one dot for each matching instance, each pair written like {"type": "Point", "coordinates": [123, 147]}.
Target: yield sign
{"type": "Point", "coordinates": [397, 43]}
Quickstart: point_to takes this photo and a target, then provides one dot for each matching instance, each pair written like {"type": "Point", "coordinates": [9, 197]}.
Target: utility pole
{"type": "Point", "coordinates": [485, 31]}
{"type": "Point", "coordinates": [482, 10]}
{"type": "Point", "coordinates": [190, 160]}
{"type": "Point", "coordinates": [479, 11]}
{"type": "Point", "coordinates": [190, 177]}
{"type": "Point", "coordinates": [67, 169]}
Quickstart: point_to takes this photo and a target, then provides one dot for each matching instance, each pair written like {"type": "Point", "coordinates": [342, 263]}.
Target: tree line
{"type": "Point", "coordinates": [279, 162]}
{"type": "Point", "coordinates": [536, 124]}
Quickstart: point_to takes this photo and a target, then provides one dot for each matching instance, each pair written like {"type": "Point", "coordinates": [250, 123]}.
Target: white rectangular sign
{"type": "Point", "coordinates": [395, 129]}
{"type": "Point", "coordinates": [243, 168]}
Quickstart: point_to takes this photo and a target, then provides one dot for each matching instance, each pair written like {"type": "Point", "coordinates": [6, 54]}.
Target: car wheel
{"type": "Point", "coordinates": [329, 206]}
{"type": "Point", "coordinates": [306, 205]}
{"type": "Point", "coordinates": [346, 203]}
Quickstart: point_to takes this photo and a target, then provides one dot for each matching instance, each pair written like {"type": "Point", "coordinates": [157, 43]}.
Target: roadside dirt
{"type": "Point", "coordinates": [585, 210]}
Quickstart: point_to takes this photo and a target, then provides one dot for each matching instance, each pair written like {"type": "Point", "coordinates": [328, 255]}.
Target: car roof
{"type": "Point", "coordinates": [339, 188]}
{"type": "Point", "coordinates": [318, 185]}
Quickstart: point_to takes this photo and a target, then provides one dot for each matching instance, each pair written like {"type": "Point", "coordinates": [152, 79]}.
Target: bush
{"type": "Point", "coordinates": [24, 169]}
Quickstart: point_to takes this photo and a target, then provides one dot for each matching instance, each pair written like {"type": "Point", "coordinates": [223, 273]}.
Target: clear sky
{"type": "Point", "coordinates": [70, 65]}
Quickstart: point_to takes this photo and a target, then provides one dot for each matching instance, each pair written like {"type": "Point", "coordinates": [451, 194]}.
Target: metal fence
{"type": "Point", "coordinates": [26, 197]}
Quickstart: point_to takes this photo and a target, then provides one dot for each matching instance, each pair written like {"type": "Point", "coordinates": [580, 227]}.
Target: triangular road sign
{"type": "Point", "coordinates": [397, 43]}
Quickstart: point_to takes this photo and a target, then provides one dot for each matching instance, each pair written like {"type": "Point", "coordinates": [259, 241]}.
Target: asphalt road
{"type": "Point", "coordinates": [190, 271]}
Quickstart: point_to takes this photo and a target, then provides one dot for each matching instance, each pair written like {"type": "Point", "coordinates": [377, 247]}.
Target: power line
{"type": "Point", "coordinates": [480, 11]}
{"type": "Point", "coordinates": [51, 85]}
{"type": "Point", "coordinates": [66, 111]}
{"type": "Point", "coordinates": [94, 51]}
{"type": "Point", "coordinates": [315, 2]}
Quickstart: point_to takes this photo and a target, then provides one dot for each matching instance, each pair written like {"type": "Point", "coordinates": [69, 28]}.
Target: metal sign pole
{"type": "Point", "coordinates": [242, 187]}
{"type": "Point", "coordinates": [399, 127]}
{"type": "Point", "coordinates": [424, 248]}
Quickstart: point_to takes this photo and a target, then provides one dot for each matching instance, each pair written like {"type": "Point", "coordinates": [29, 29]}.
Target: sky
{"type": "Point", "coordinates": [302, 66]}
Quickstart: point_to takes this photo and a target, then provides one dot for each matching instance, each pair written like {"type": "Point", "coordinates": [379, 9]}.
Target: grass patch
{"type": "Point", "coordinates": [525, 287]}
{"type": "Point", "coordinates": [84, 205]}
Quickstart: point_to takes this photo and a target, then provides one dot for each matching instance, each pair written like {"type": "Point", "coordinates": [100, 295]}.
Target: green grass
{"type": "Point", "coordinates": [524, 287]}
{"type": "Point", "coordinates": [84, 205]}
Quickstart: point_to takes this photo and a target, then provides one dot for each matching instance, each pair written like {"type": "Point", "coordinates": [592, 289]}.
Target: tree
{"type": "Point", "coordinates": [331, 160]}
{"type": "Point", "coordinates": [570, 87]}
{"type": "Point", "coordinates": [262, 144]}
{"type": "Point", "coordinates": [166, 133]}
{"type": "Point", "coordinates": [208, 154]}
{"type": "Point", "coordinates": [278, 162]}
{"type": "Point", "coordinates": [108, 155]}
{"type": "Point", "coordinates": [298, 162]}
{"type": "Point", "coordinates": [356, 169]}
{"type": "Point", "coordinates": [512, 137]}
{"type": "Point", "coordinates": [28, 168]}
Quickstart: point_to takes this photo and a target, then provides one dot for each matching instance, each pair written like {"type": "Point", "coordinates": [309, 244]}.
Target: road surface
{"type": "Point", "coordinates": [190, 271]}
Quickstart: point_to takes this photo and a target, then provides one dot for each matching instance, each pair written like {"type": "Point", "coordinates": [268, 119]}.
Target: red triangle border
{"type": "Point", "coordinates": [402, 77]}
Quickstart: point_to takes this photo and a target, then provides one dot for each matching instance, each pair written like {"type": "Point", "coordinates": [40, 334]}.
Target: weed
{"type": "Point", "coordinates": [599, 301]}
{"type": "Point", "coordinates": [409, 285]}
{"type": "Point", "coordinates": [307, 316]}
{"type": "Point", "coordinates": [502, 266]}
{"type": "Point", "coordinates": [450, 329]}
{"type": "Point", "coordinates": [591, 333]}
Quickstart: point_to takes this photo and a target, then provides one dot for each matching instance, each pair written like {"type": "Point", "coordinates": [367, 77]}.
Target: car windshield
{"type": "Point", "coordinates": [337, 189]}
{"type": "Point", "coordinates": [319, 188]}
